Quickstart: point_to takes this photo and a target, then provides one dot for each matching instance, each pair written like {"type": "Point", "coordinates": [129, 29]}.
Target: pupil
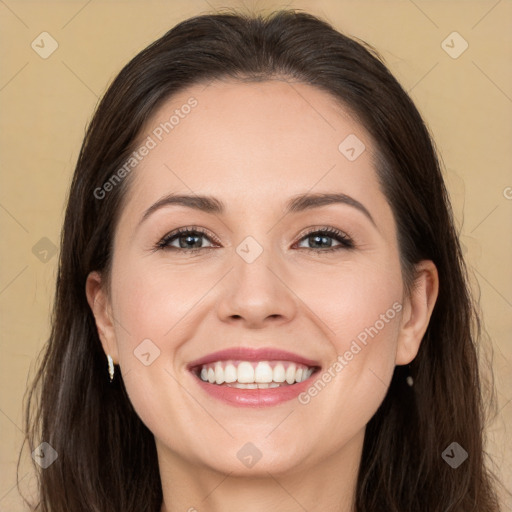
{"type": "Point", "coordinates": [322, 238]}
{"type": "Point", "coordinates": [188, 238]}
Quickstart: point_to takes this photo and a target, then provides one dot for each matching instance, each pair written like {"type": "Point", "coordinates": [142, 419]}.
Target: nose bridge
{"type": "Point", "coordinates": [252, 262]}
{"type": "Point", "coordinates": [255, 290]}
{"type": "Point", "coordinates": [253, 251]}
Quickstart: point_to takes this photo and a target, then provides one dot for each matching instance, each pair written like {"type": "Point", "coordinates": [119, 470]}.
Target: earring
{"type": "Point", "coordinates": [110, 367]}
{"type": "Point", "coordinates": [409, 379]}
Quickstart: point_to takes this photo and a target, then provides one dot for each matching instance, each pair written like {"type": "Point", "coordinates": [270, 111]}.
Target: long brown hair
{"type": "Point", "coordinates": [106, 456]}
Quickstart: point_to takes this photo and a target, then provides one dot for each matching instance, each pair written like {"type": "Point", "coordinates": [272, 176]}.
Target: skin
{"type": "Point", "coordinates": [254, 146]}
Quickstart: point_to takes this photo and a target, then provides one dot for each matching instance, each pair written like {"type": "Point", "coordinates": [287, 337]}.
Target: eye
{"type": "Point", "coordinates": [321, 237]}
{"type": "Point", "coordinates": [188, 239]}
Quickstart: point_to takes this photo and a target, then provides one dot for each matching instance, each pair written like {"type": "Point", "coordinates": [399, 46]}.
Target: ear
{"type": "Point", "coordinates": [102, 311]}
{"type": "Point", "coordinates": [418, 309]}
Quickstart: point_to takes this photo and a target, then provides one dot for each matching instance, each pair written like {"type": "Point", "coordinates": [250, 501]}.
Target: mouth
{"type": "Point", "coordinates": [248, 377]}
{"type": "Point", "coordinates": [254, 375]}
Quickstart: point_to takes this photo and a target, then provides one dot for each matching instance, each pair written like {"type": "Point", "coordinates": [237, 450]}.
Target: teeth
{"type": "Point", "coordinates": [245, 373]}
{"type": "Point", "coordinates": [219, 374]}
{"type": "Point", "coordinates": [290, 374]}
{"type": "Point", "coordinates": [249, 386]}
{"type": "Point", "coordinates": [263, 373]}
{"type": "Point", "coordinates": [251, 375]}
{"type": "Point", "coordinates": [230, 373]}
{"type": "Point", "coordinates": [279, 374]}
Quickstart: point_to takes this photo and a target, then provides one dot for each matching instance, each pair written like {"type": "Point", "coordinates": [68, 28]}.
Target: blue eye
{"type": "Point", "coordinates": [186, 238]}
{"type": "Point", "coordinates": [323, 235]}
{"type": "Point", "coordinates": [190, 239]}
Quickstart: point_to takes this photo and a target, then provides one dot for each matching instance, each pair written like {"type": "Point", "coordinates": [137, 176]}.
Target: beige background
{"type": "Point", "coordinates": [46, 103]}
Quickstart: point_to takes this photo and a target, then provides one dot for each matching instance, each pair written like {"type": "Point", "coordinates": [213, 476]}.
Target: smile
{"type": "Point", "coordinates": [249, 377]}
{"type": "Point", "coordinates": [254, 375]}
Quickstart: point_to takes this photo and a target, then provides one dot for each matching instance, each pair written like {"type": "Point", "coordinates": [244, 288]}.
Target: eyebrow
{"type": "Point", "coordinates": [298, 203]}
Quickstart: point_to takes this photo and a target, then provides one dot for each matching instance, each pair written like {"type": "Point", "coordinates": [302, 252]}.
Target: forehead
{"type": "Point", "coordinates": [251, 143]}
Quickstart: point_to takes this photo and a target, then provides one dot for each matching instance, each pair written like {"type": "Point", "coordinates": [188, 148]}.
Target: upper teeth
{"type": "Point", "coordinates": [262, 372]}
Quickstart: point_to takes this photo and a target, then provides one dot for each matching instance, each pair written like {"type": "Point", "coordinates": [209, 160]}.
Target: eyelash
{"type": "Point", "coordinates": [345, 241]}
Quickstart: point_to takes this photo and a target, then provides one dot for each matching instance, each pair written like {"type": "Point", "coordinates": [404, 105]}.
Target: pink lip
{"type": "Point", "coordinates": [250, 354]}
{"type": "Point", "coordinates": [255, 397]}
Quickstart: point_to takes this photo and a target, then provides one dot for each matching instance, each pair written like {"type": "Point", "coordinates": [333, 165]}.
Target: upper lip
{"type": "Point", "coordinates": [252, 354]}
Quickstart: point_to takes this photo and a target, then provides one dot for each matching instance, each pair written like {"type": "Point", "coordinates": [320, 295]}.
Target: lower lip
{"type": "Point", "coordinates": [254, 397]}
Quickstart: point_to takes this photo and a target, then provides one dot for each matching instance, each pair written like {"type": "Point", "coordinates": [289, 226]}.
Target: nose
{"type": "Point", "coordinates": [257, 294]}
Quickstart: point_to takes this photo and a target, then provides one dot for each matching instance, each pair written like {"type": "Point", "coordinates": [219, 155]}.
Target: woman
{"type": "Point", "coordinates": [261, 299]}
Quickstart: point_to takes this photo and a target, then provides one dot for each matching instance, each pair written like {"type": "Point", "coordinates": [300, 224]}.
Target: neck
{"type": "Point", "coordinates": [329, 485]}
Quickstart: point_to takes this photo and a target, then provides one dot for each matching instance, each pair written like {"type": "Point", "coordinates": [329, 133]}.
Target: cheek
{"type": "Point", "coordinates": [352, 298]}
{"type": "Point", "coordinates": [151, 307]}
{"type": "Point", "coordinates": [151, 300]}
{"type": "Point", "coordinates": [360, 310]}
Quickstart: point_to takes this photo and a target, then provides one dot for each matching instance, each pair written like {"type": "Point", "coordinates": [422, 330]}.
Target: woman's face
{"type": "Point", "coordinates": [260, 277]}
